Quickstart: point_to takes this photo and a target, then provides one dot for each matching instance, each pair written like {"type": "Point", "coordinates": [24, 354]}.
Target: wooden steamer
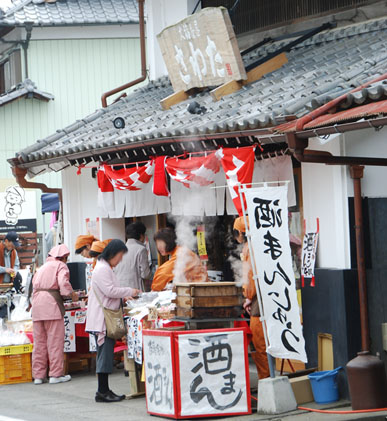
{"type": "Point", "coordinates": [210, 300]}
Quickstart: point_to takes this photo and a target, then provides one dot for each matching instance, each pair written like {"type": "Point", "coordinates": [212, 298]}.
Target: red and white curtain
{"type": "Point", "coordinates": [238, 166]}
{"type": "Point", "coordinates": [193, 172]}
{"type": "Point", "coordinates": [132, 178]}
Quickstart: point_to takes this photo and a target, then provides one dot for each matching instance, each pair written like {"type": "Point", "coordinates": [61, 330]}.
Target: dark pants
{"type": "Point", "coordinates": [105, 356]}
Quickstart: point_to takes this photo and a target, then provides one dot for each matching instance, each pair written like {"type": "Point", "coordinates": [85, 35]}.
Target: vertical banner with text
{"type": "Point", "coordinates": [267, 208]}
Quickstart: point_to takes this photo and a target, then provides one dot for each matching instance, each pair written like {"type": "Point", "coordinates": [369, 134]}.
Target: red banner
{"type": "Point", "coordinates": [238, 165]}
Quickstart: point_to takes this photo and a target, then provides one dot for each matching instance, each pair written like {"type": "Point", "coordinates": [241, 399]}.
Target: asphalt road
{"type": "Point", "coordinates": [75, 401]}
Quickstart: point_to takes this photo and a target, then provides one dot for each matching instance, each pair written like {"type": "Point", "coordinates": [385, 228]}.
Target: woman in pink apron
{"type": "Point", "coordinates": [50, 284]}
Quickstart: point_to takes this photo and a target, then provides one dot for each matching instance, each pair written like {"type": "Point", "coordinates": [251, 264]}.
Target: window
{"type": "Point", "coordinates": [10, 72]}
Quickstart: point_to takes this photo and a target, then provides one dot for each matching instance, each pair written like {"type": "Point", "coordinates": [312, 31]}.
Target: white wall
{"type": "Point", "coordinates": [325, 195]}
{"type": "Point", "coordinates": [369, 143]}
{"type": "Point", "coordinates": [86, 32]}
{"type": "Point", "coordinates": [80, 201]}
{"type": "Point", "coordinates": [113, 228]}
{"type": "Point", "coordinates": [159, 15]}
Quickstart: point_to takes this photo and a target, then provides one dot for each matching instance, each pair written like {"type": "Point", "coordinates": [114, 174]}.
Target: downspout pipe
{"type": "Point", "coordinates": [20, 174]}
{"type": "Point", "coordinates": [143, 58]}
{"type": "Point", "coordinates": [25, 45]}
{"type": "Point", "coordinates": [357, 172]}
{"type": "Point", "coordinates": [329, 105]}
{"type": "Point", "coordinates": [297, 147]}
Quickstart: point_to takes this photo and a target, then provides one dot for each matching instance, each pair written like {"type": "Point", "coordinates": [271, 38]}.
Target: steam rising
{"type": "Point", "coordinates": [186, 239]}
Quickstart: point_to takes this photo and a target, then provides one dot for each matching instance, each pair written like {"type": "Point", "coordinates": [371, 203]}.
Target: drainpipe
{"type": "Point", "coordinates": [20, 173]}
{"type": "Point", "coordinates": [357, 172]}
{"type": "Point", "coordinates": [143, 58]}
{"type": "Point", "coordinates": [25, 44]}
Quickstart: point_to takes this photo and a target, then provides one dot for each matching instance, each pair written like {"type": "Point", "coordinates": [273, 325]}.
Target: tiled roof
{"type": "Point", "coordinates": [24, 89]}
{"type": "Point", "coordinates": [322, 68]}
{"type": "Point", "coordinates": [70, 12]}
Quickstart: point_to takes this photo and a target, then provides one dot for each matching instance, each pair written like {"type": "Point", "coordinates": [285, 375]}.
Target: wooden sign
{"type": "Point", "coordinates": [201, 50]}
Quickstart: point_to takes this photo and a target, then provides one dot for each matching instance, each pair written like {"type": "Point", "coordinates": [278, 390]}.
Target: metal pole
{"type": "Point", "coordinates": [44, 238]}
{"type": "Point", "coordinates": [357, 173]}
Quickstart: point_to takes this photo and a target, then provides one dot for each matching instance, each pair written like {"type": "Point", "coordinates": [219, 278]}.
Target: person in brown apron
{"type": "Point", "coordinates": [50, 284]}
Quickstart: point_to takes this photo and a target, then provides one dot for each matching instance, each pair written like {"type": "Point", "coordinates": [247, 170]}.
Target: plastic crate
{"type": "Point", "coordinates": [16, 349]}
{"type": "Point", "coordinates": [15, 367]}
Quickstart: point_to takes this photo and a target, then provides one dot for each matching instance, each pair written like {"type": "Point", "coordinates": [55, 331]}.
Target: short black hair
{"type": "Point", "coordinates": [93, 253]}
{"type": "Point", "coordinates": [112, 249]}
{"type": "Point", "coordinates": [80, 250]}
{"type": "Point", "coordinates": [167, 235]}
{"type": "Point", "coordinates": [237, 233]}
{"type": "Point", "coordinates": [135, 230]}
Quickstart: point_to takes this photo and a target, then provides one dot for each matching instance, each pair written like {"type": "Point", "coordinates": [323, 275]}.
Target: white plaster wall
{"type": "Point", "coordinates": [325, 195]}
{"type": "Point", "coordinates": [86, 32]}
{"type": "Point", "coordinates": [160, 14]}
{"type": "Point", "coordinates": [368, 143]}
{"type": "Point", "coordinates": [80, 194]}
{"type": "Point", "coordinates": [113, 228]}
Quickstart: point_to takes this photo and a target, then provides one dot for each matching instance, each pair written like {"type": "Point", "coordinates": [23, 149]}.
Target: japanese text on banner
{"type": "Point", "coordinates": [308, 259]}
{"type": "Point", "coordinates": [69, 322]}
{"type": "Point", "coordinates": [268, 215]}
{"type": "Point", "coordinates": [213, 373]}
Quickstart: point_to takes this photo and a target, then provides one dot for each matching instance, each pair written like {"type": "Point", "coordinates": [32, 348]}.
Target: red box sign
{"type": "Point", "coordinates": [195, 374]}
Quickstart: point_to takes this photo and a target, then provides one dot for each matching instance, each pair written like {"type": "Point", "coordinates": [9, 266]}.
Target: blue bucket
{"type": "Point", "coordinates": [324, 386]}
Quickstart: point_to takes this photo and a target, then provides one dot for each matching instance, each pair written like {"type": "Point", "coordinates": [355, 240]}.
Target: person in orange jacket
{"type": "Point", "coordinates": [192, 270]}
{"type": "Point", "coordinates": [83, 245]}
{"type": "Point", "coordinates": [251, 305]}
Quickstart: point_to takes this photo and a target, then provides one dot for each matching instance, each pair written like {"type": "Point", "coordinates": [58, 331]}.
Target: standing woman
{"type": "Point", "coordinates": [50, 284]}
{"type": "Point", "coordinates": [105, 287]}
{"type": "Point", "coordinates": [96, 249]}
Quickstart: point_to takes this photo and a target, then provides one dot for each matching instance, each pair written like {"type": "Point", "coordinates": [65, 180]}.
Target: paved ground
{"type": "Point", "coordinates": [75, 401]}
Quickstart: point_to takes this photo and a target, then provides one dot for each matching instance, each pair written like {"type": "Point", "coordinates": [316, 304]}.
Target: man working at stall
{"type": "Point", "coordinates": [183, 264]}
{"type": "Point", "coordinates": [134, 267]}
{"type": "Point", "coordinates": [251, 303]}
{"type": "Point", "coordinates": [83, 245]}
{"type": "Point", "coordinates": [9, 260]}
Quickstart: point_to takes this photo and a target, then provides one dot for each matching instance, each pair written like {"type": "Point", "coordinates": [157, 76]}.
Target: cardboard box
{"type": "Point", "coordinates": [302, 389]}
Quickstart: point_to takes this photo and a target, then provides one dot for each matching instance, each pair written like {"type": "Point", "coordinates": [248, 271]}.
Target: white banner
{"type": "Point", "coordinates": [80, 317]}
{"type": "Point", "coordinates": [134, 337]}
{"type": "Point", "coordinates": [69, 322]}
{"type": "Point", "coordinates": [268, 215]}
{"type": "Point", "coordinates": [308, 257]}
{"type": "Point", "coordinates": [212, 373]}
{"type": "Point", "coordinates": [92, 343]}
{"type": "Point", "coordinates": [159, 374]}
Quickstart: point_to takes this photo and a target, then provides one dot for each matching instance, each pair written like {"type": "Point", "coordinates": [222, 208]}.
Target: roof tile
{"type": "Point", "coordinates": [316, 73]}
{"type": "Point", "coordinates": [70, 12]}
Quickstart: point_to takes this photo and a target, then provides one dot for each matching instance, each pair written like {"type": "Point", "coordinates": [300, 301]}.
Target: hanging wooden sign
{"type": "Point", "coordinates": [201, 50]}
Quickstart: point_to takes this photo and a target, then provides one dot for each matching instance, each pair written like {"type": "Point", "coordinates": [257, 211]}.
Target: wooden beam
{"type": "Point", "coordinates": [174, 99]}
{"type": "Point", "coordinates": [225, 89]}
{"type": "Point", "coordinates": [269, 66]}
{"type": "Point", "coordinates": [253, 75]}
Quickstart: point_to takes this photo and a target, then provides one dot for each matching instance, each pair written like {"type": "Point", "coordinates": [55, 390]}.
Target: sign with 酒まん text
{"type": "Point", "coordinates": [269, 228]}
{"type": "Point", "coordinates": [213, 373]}
{"type": "Point", "coordinates": [201, 50]}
